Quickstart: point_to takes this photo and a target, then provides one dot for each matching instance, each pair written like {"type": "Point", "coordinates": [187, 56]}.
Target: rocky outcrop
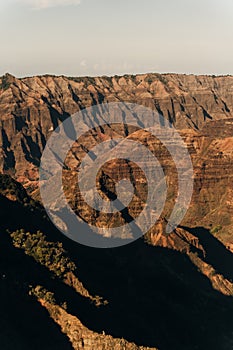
{"type": "Point", "coordinates": [176, 291]}
{"type": "Point", "coordinates": [81, 337]}
{"type": "Point", "coordinates": [201, 107]}
{"type": "Point", "coordinates": [175, 294]}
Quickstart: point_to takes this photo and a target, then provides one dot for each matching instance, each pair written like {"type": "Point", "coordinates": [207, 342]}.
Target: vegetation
{"type": "Point", "coordinates": [48, 254]}
{"type": "Point", "coordinates": [216, 229]}
{"type": "Point", "coordinates": [151, 78]}
{"type": "Point", "coordinates": [8, 186]}
{"type": "Point", "coordinates": [85, 80]}
{"type": "Point", "coordinates": [5, 83]}
{"type": "Point", "coordinates": [7, 183]}
{"type": "Point", "coordinates": [162, 78]}
{"type": "Point", "coordinates": [42, 293]}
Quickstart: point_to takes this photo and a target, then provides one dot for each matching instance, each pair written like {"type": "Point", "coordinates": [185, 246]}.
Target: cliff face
{"type": "Point", "coordinates": [44, 288]}
{"type": "Point", "coordinates": [173, 293]}
{"type": "Point", "coordinates": [136, 297]}
{"type": "Point", "coordinates": [201, 107]}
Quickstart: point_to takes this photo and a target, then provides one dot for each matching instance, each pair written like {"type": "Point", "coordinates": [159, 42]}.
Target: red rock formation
{"type": "Point", "coordinates": [199, 106]}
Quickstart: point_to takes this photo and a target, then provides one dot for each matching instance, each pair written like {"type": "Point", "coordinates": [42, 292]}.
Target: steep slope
{"type": "Point", "coordinates": [152, 296]}
{"type": "Point", "coordinates": [40, 289]}
{"type": "Point", "coordinates": [166, 292]}
{"type": "Point", "coordinates": [199, 106]}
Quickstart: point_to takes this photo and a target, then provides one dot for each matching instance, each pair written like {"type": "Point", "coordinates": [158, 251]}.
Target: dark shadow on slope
{"type": "Point", "coordinates": [21, 315]}
{"type": "Point", "coordinates": [156, 295]}
{"type": "Point", "coordinates": [216, 253]}
{"type": "Point", "coordinates": [24, 324]}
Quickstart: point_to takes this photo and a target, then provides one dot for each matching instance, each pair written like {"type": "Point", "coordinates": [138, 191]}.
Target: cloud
{"type": "Point", "coordinates": [43, 4]}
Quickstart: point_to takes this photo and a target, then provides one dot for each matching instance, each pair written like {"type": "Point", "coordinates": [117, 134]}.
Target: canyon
{"type": "Point", "coordinates": [155, 281]}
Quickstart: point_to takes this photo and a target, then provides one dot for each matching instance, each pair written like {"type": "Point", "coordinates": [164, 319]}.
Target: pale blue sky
{"type": "Point", "coordinates": [98, 37]}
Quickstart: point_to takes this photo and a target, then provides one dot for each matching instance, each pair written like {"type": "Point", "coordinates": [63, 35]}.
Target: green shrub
{"type": "Point", "coordinates": [48, 254]}
{"type": "Point", "coordinates": [42, 293]}
{"type": "Point", "coordinates": [5, 83]}
{"type": "Point", "coordinates": [216, 229]}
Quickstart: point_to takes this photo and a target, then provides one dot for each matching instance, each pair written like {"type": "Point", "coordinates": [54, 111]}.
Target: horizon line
{"type": "Point", "coordinates": [116, 75]}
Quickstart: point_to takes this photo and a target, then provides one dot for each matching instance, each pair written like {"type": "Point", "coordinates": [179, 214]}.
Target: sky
{"type": "Point", "coordinates": [108, 37]}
